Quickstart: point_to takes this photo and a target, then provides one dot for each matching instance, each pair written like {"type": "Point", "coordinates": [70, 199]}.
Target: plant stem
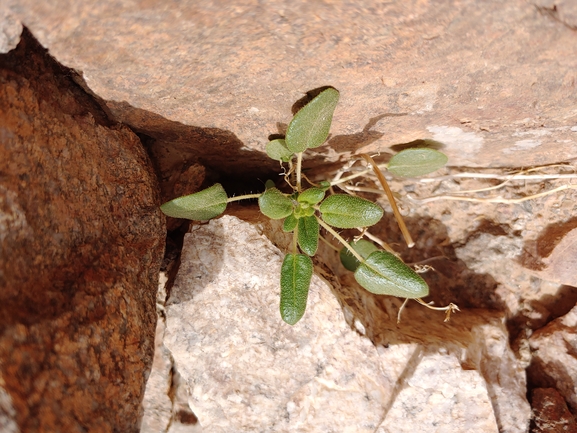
{"type": "Point", "coordinates": [243, 197]}
{"type": "Point", "coordinates": [497, 199]}
{"type": "Point", "coordinates": [329, 244]}
{"type": "Point", "coordinates": [298, 173]}
{"type": "Point", "coordinates": [295, 240]}
{"type": "Point", "coordinates": [340, 239]}
{"type": "Point", "coordinates": [398, 216]}
{"type": "Point", "coordinates": [451, 308]}
{"type": "Point", "coordinates": [355, 175]}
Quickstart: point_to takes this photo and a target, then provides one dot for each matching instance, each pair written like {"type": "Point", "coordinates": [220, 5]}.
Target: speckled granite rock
{"type": "Point", "coordinates": [244, 369]}
{"type": "Point", "coordinates": [81, 240]}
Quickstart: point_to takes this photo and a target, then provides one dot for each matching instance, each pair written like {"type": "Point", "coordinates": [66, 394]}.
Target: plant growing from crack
{"type": "Point", "coordinates": [308, 209]}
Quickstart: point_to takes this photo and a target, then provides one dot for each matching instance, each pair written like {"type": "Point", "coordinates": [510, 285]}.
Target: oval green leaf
{"type": "Point", "coordinates": [363, 247]}
{"type": "Point", "coordinates": [347, 212]}
{"type": "Point", "coordinates": [295, 279]}
{"type": "Point", "coordinates": [200, 206]}
{"type": "Point", "coordinates": [310, 127]}
{"type": "Point", "coordinates": [416, 162]}
{"type": "Point", "coordinates": [384, 273]}
{"type": "Point", "coordinates": [289, 223]}
{"type": "Point", "coordinates": [308, 235]}
{"type": "Point", "coordinates": [277, 150]}
{"type": "Point", "coordinates": [311, 196]}
{"type": "Point", "coordinates": [274, 204]}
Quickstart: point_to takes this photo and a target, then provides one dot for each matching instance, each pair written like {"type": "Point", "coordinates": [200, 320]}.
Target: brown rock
{"type": "Point", "coordinates": [553, 256]}
{"type": "Point", "coordinates": [550, 412]}
{"type": "Point", "coordinates": [554, 364]}
{"type": "Point", "coordinates": [492, 84]}
{"type": "Point", "coordinates": [81, 239]}
{"type": "Point", "coordinates": [495, 84]}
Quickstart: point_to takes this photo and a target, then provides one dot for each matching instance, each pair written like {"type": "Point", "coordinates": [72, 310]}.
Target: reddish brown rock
{"type": "Point", "coordinates": [550, 412]}
{"type": "Point", "coordinates": [81, 240]}
{"type": "Point", "coordinates": [554, 364]}
{"type": "Point", "coordinates": [553, 256]}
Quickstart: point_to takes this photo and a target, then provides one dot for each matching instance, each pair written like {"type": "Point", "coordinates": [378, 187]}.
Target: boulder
{"type": "Point", "coordinates": [241, 368]}
{"type": "Point", "coordinates": [81, 241]}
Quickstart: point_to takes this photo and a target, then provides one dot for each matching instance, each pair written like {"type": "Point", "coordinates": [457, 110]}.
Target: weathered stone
{"type": "Point", "coordinates": [10, 30]}
{"type": "Point", "coordinates": [554, 364]}
{"type": "Point", "coordinates": [157, 404]}
{"type": "Point", "coordinates": [550, 412]}
{"type": "Point", "coordinates": [246, 370]}
{"type": "Point", "coordinates": [205, 82]}
{"type": "Point", "coordinates": [553, 256]}
{"type": "Point", "coordinates": [438, 396]}
{"type": "Point", "coordinates": [81, 240]}
{"type": "Point", "coordinates": [493, 82]}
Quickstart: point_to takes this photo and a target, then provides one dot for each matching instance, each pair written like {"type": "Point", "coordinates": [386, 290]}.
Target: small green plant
{"type": "Point", "coordinates": [308, 209]}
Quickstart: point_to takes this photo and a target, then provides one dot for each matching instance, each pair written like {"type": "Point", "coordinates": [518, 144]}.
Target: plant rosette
{"type": "Point", "coordinates": [308, 211]}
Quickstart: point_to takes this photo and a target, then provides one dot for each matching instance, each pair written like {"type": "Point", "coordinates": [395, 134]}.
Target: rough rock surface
{"type": "Point", "coordinates": [554, 361]}
{"type": "Point", "coordinates": [245, 370]}
{"type": "Point", "coordinates": [81, 240]}
{"type": "Point", "coordinates": [550, 412]}
{"type": "Point", "coordinates": [494, 82]}
{"type": "Point", "coordinates": [490, 83]}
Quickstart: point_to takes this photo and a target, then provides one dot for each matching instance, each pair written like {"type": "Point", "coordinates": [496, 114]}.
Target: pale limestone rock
{"type": "Point", "coordinates": [157, 404]}
{"type": "Point", "coordinates": [245, 370]}
{"type": "Point", "coordinates": [10, 29]}
{"type": "Point", "coordinates": [439, 397]}
{"type": "Point", "coordinates": [7, 412]}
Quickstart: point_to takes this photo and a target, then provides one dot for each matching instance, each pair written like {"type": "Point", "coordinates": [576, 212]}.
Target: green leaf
{"type": "Point", "coordinates": [277, 150]}
{"type": "Point", "coordinates": [347, 212]}
{"type": "Point", "coordinates": [311, 196]}
{"type": "Point", "coordinates": [295, 279]}
{"type": "Point", "coordinates": [310, 127]}
{"type": "Point", "coordinates": [308, 235]}
{"type": "Point", "coordinates": [363, 247]}
{"type": "Point", "coordinates": [200, 206]}
{"type": "Point", "coordinates": [384, 273]}
{"type": "Point", "coordinates": [416, 162]}
{"type": "Point", "coordinates": [324, 184]}
{"type": "Point", "coordinates": [289, 223]}
{"type": "Point", "coordinates": [269, 184]}
{"type": "Point", "coordinates": [274, 204]}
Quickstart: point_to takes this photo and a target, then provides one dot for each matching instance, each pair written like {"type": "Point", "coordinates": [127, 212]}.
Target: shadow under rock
{"type": "Point", "coordinates": [450, 281]}
{"type": "Point", "coordinates": [534, 257]}
{"type": "Point", "coordinates": [175, 147]}
{"type": "Point", "coordinates": [187, 158]}
{"type": "Point", "coordinates": [535, 251]}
